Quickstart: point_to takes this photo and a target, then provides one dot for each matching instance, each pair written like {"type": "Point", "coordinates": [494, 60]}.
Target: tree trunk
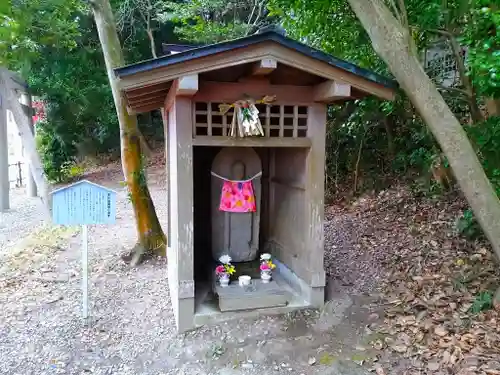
{"type": "Point", "coordinates": [358, 160]}
{"type": "Point", "coordinates": [388, 122]}
{"type": "Point", "coordinates": [151, 239]}
{"type": "Point", "coordinates": [151, 42]}
{"type": "Point", "coordinates": [475, 112]}
{"type": "Point", "coordinates": [393, 44]}
{"type": "Point", "coordinates": [144, 143]}
{"type": "Point", "coordinates": [27, 138]}
{"type": "Point", "coordinates": [146, 150]}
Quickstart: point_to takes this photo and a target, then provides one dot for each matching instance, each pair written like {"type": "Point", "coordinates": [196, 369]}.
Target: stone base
{"type": "Point", "coordinates": [315, 296]}
{"type": "Point", "coordinates": [257, 295]}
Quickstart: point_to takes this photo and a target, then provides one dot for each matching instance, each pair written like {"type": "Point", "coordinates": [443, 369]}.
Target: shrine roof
{"type": "Point", "coordinates": [212, 49]}
{"type": "Point", "coordinates": [146, 84]}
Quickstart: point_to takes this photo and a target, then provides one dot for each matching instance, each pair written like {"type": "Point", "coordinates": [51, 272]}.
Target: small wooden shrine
{"type": "Point", "coordinates": [249, 113]}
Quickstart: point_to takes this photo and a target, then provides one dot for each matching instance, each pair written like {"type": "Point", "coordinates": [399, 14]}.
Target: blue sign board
{"type": "Point", "coordinates": [83, 203]}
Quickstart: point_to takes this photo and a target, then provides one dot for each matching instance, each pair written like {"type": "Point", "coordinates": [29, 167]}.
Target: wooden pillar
{"type": "Point", "coordinates": [315, 193]}
{"type": "Point", "coordinates": [181, 256]}
{"type": "Point", "coordinates": [4, 149]}
{"type": "Point", "coordinates": [271, 188]}
{"type": "Point", "coordinates": [164, 116]}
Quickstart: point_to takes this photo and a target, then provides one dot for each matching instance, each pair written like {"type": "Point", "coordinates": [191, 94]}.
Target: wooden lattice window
{"type": "Point", "coordinates": [283, 121]}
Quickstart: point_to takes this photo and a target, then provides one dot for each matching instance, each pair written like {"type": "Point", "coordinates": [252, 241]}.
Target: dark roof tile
{"type": "Point", "coordinates": [211, 49]}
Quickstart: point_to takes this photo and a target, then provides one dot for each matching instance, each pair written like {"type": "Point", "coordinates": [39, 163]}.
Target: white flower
{"type": "Point", "coordinates": [225, 259]}
{"type": "Point", "coordinates": [265, 256]}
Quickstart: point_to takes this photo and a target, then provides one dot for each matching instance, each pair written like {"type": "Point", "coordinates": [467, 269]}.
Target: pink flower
{"type": "Point", "coordinates": [264, 267]}
{"type": "Point", "coordinates": [220, 269]}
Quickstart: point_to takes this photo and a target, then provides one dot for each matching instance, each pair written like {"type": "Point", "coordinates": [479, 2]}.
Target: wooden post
{"type": "Point", "coordinates": [224, 125]}
{"type": "Point", "coordinates": [4, 154]}
{"type": "Point", "coordinates": [295, 121]}
{"type": "Point", "coordinates": [268, 121]}
{"type": "Point", "coordinates": [209, 118]}
{"type": "Point", "coordinates": [315, 193]}
{"type": "Point", "coordinates": [181, 256]}
{"type": "Point", "coordinates": [272, 188]}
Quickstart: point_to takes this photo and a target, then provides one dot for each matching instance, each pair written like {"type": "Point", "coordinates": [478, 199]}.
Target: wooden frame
{"type": "Point", "coordinates": [252, 54]}
{"type": "Point", "coordinates": [264, 67]}
{"type": "Point", "coordinates": [250, 142]}
{"type": "Point", "coordinates": [330, 91]}
{"type": "Point", "coordinates": [184, 86]}
{"type": "Point", "coordinates": [226, 92]}
{"type": "Point", "coordinates": [289, 122]}
{"type": "Point", "coordinates": [146, 91]}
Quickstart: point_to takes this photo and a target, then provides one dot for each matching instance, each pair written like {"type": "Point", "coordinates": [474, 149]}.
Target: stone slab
{"type": "Point", "coordinates": [257, 295]}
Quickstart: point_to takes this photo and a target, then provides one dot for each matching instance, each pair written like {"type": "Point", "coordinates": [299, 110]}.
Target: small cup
{"type": "Point", "coordinates": [244, 280]}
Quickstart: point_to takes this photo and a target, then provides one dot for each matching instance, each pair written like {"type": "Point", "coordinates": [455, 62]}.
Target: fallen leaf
{"type": "Point", "coordinates": [446, 357]}
{"type": "Point", "coordinates": [401, 348]}
{"type": "Point", "coordinates": [373, 317]}
{"type": "Point", "coordinates": [433, 366]}
{"type": "Point", "coordinates": [440, 331]}
{"type": "Point", "coordinates": [378, 344]}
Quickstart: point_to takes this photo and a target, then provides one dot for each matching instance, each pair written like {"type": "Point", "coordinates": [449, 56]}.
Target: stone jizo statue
{"type": "Point", "coordinates": [236, 198]}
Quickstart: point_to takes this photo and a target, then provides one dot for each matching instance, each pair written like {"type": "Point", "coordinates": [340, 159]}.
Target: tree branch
{"type": "Point", "coordinates": [469, 91]}
{"type": "Point", "coordinates": [395, 10]}
{"type": "Point", "coordinates": [250, 17]}
{"type": "Point", "coordinates": [453, 89]}
{"type": "Point", "coordinates": [149, 30]}
{"type": "Point", "coordinates": [404, 13]}
{"type": "Point", "coordinates": [445, 33]}
{"type": "Point", "coordinates": [259, 14]}
{"type": "Point", "coordinates": [466, 82]}
{"type": "Point", "coordinates": [144, 18]}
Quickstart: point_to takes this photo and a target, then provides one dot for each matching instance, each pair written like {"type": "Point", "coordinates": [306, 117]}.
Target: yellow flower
{"type": "Point", "coordinates": [230, 269]}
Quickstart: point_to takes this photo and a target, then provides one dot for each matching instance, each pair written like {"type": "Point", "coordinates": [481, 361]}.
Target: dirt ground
{"type": "Point", "coordinates": [133, 330]}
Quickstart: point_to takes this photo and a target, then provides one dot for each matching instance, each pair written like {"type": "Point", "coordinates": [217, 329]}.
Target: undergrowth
{"type": "Point", "coordinates": [482, 302]}
{"type": "Point", "coordinates": [372, 145]}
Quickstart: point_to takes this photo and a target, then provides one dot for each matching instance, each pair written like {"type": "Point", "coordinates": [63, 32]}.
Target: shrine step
{"type": "Point", "coordinates": [257, 295]}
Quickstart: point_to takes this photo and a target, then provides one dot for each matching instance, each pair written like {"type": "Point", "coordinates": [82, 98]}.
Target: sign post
{"type": "Point", "coordinates": [84, 203]}
{"type": "Point", "coordinates": [85, 273]}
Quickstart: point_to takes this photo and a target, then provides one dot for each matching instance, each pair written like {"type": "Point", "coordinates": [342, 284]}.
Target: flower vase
{"type": "Point", "coordinates": [265, 276]}
{"type": "Point", "coordinates": [224, 280]}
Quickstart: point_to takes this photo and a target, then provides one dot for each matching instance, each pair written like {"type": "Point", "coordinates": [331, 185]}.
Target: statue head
{"type": "Point", "coordinates": [238, 170]}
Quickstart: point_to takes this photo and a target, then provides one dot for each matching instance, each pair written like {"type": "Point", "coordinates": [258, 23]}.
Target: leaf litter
{"type": "Point", "coordinates": [434, 287]}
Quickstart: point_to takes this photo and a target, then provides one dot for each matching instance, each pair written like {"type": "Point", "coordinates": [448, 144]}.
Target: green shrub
{"type": "Point", "coordinates": [71, 170]}
{"type": "Point", "coordinates": [55, 152]}
{"type": "Point", "coordinates": [468, 226]}
{"type": "Point", "coordinates": [482, 302]}
{"type": "Point", "coordinates": [486, 138]}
